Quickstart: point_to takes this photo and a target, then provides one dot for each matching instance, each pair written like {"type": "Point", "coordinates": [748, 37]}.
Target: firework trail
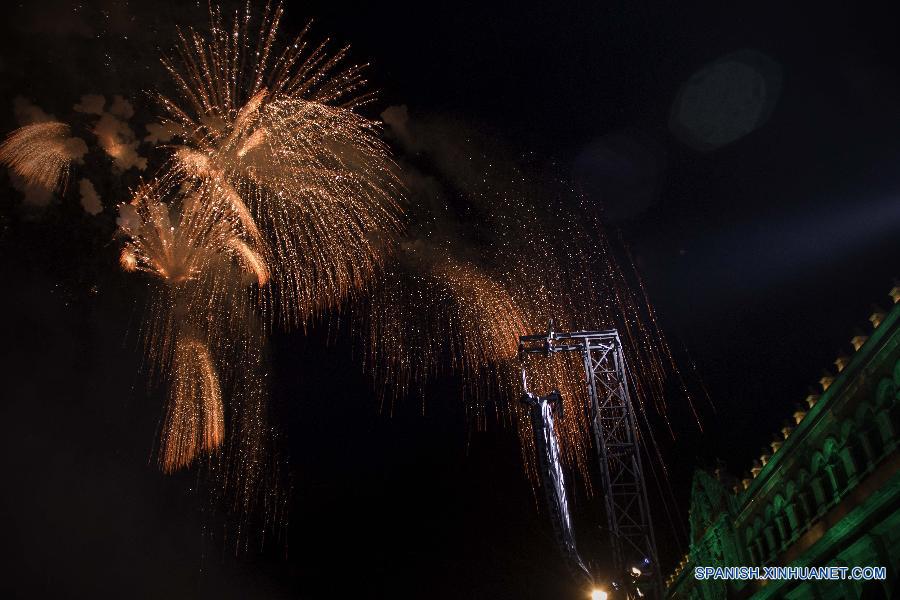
{"type": "Point", "coordinates": [203, 339]}
{"type": "Point", "coordinates": [277, 201]}
{"type": "Point", "coordinates": [427, 310]}
{"type": "Point", "coordinates": [195, 418]}
{"type": "Point", "coordinates": [444, 315]}
{"type": "Point", "coordinates": [509, 257]}
{"type": "Point", "coordinates": [41, 153]}
{"type": "Point", "coordinates": [202, 336]}
{"type": "Point", "coordinates": [206, 232]}
{"type": "Point", "coordinates": [272, 133]}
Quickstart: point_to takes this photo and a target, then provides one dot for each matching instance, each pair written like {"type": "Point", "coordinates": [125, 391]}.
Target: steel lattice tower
{"type": "Point", "coordinates": [616, 442]}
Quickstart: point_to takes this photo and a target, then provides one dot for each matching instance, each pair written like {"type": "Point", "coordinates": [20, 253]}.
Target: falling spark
{"type": "Point", "coordinates": [446, 314]}
{"type": "Point", "coordinates": [278, 201]}
{"type": "Point", "coordinates": [41, 153]}
{"type": "Point", "coordinates": [205, 343]}
{"type": "Point", "coordinates": [457, 301]}
{"type": "Point", "coordinates": [179, 252]}
{"type": "Point", "coordinates": [194, 420]}
{"type": "Point", "coordinates": [251, 260]}
{"type": "Point", "coordinates": [274, 133]}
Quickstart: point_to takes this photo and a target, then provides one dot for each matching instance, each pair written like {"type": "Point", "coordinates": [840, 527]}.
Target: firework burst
{"type": "Point", "coordinates": [273, 133]}
{"type": "Point", "coordinates": [437, 311]}
{"type": "Point", "coordinates": [277, 201]}
{"type": "Point", "coordinates": [456, 299]}
{"type": "Point", "coordinates": [205, 341]}
{"type": "Point", "coordinates": [202, 334]}
{"type": "Point", "coordinates": [441, 314]}
{"type": "Point", "coordinates": [208, 230]}
{"type": "Point", "coordinates": [41, 153]}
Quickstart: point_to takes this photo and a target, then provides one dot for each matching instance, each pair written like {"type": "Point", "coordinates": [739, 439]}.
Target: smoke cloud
{"type": "Point", "coordinates": [28, 113]}
{"type": "Point", "coordinates": [90, 199]}
{"type": "Point", "coordinates": [91, 104]}
{"type": "Point", "coordinates": [113, 133]}
{"type": "Point", "coordinates": [158, 133]}
{"type": "Point", "coordinates": [397, 119]}
{"type": "Point", "coordinates": [128, 217]}
{"type": "Point", "coordinates": [35, 196]}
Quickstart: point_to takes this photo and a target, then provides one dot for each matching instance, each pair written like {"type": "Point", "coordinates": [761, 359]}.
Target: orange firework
{"type": "Point", "coordinates": [276, 195]}
{"type": "Point", "coordinates": [207, 231]}
{"type": "Point", "coordinates": [194, 419]}
{"type": "Point", "coordinates": [41, 153]}
{"type": "Point", "coordinates": [457, 299]}
{"type": "Point", "coordinates": [202, 337]}
{"type": "Point", "coordinates": [273, 134]}
{"type": "Point", "coordinates": [440, 313]}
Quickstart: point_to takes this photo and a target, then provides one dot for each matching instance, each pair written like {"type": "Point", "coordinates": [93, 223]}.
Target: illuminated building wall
{"type": "Point", "coordinates": [826, 492]}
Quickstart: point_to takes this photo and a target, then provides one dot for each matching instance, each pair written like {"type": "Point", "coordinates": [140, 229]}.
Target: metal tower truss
{"type": "Point", "coordinates": [632, 539]}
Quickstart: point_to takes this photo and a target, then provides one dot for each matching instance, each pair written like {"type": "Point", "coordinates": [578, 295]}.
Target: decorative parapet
{"type": "Point", "coordinates": [827, 382]}
{"type": "Point", "coordinates": [685, 562]}
{"type": "Point", "coordinates": [811, 399]}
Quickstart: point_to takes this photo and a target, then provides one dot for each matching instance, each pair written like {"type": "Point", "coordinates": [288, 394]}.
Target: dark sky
{"type": "Point", "coordinates": [761, 256]}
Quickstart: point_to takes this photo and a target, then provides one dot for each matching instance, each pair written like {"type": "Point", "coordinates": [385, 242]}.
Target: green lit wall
{"type": "Point", "coordinates": [826, 494]}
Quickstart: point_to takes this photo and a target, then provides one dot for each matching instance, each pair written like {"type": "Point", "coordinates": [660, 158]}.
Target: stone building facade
{"type": "Point", "coordinates": [826, 492]}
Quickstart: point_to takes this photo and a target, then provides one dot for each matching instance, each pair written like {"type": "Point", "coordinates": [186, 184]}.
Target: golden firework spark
{"type": "Point", "coordinates": [202, 336]}
{"type": "Point", "coordinates": [194, 419]}
{"type": "Point", "coordinates": [435, 311]}
{"type": "Point", "coordinates": [41, 153]}
{"type": "Point", "coordinates": [206, 231]}
{"type": "Point", "coordinates": [444, 314]}
{"type": "Point", "coordinates": [276, 194]}
{"type": "Point", "coordinates": [274, 133]}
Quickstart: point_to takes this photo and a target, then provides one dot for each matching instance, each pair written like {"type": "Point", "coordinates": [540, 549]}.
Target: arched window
{"type": "Point", "coordinates": [820, 500]}
{"type": "Point", "coordinates": [763, 548]}
{"type": "Point", "coordinates": [791, 510]}
{"type": "Point", "coordinates": [834, 466]}
{"type": "Point", "coordinates": [778, 519]}
{"type": "Point", "coordinates": [805, 512]}
{"type": "Point", "coordinates": [817, 485]}
{"type": "Point", "coordinates": [886, 429]}
{"type": "Point", "coordinates": [750, 539]}
{"type": "Point", "coordinates": [852, 452]}
{"type": "Point", "coordinates": [885, 393]}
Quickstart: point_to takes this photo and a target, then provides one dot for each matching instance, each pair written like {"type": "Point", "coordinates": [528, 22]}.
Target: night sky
{"type": "Point", "coordinates": [762, 255]}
